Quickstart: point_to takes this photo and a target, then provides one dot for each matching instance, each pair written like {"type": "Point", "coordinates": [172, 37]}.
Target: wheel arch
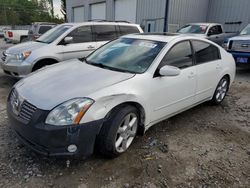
{"type": "Point", "coordinates": [229, 80]}
{"type": "Point", "coordinates": [40, 61]}
{"type": "Point", "coordinates": [140, 109]}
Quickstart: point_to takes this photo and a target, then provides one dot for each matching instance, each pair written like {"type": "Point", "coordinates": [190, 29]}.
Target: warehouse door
{"type": "Point", "coordinates": [98, 11]}
{"type": "Point", "coordinates": [78, 14]}
{"type": "Point", "coordinates": [125, 10]}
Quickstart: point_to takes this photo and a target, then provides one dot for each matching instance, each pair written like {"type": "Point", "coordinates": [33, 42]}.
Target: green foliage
{"type": "Point", "coordinates": [63, 9]}
{"type": "Point", "coordinates": [24, 12]}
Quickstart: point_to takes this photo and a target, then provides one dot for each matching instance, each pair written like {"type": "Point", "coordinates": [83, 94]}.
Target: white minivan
{"type": "Point", "coordinates": [63, 42]}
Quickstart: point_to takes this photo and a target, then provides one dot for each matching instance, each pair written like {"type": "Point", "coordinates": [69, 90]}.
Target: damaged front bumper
{"type": "Point", "coordinates": [52, 140]}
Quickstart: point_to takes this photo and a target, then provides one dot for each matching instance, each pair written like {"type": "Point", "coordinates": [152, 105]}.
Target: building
{"type": "Point", "coordinates": [160, 15]}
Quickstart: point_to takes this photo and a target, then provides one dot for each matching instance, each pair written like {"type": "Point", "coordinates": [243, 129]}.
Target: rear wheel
{"type": "Point", "coordinates": [118, 132]}
{"type": "Point", "coordinates": [220, 91]}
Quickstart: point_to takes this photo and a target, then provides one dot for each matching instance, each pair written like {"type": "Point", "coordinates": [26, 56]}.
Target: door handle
{"type": "Point", "coordinates": [90, 47]}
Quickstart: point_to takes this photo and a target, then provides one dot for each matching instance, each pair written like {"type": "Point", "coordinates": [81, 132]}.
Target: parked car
{"type": "Point", "coordinates": [5, 34]}
{"type": "Point", "coordinates": [239, 47]}
{"type": "Point", "coordinates": [211, 31]}
{"type": "Point", "coordinates": [63, 42]}
{"type": "Point", "coordinates": [128, 85]}
{"type": "Point", "coordinates": [39, 28]}
{"type": "Point", "coordinates": [2, 29]}
{"type": "Point", "coordinates": [17, 36]}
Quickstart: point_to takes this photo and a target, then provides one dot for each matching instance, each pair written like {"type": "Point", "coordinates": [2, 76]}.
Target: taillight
{"type": "Point", "coordinates": [10, 34]}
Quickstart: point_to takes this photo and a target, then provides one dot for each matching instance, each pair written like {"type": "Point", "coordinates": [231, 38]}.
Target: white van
{"type": "Point", "coordinates": [63, 42]}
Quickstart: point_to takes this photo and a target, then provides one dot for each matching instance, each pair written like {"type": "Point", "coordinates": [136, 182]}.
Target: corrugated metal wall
{"type": "Point", "coordinates": [180, 12]}
{"type": "Point", "coordinates": [151, 10]}
{"type": "Point", "coordinates": [186, 11]}
{"type": "Point", "coordinates": [70, 4]}
{"type": "Point", "coordinates": [223, 11]}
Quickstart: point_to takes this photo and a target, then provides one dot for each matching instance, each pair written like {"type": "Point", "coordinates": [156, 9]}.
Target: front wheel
{"type": "Point", "coordinates": [118, 132]}
{"type": "Point", "coordinates": [220, 91]}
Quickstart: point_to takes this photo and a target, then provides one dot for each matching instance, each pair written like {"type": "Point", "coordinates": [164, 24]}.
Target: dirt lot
{"type": "Point", "coordinates": [208, 146]}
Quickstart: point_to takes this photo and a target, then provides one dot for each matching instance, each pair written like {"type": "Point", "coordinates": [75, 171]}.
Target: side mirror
{"type": "Point", "coordinates": [169, 71]}
{"type": "Point", "coordinates": [68, 40]}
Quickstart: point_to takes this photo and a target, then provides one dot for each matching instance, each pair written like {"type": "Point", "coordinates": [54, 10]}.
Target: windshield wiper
{"type": "Point", "coordinates": [101, 65]}
{"type": "Point", "coordinates": [41, 41]}
{"type": "Point", "coordinates": [83, 59]}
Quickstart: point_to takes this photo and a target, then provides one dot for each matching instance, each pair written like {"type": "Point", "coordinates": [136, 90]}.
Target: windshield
{"type": "Point", "coordinates": [197, 29]}
{"type": "Point", "coordinates": [126, 55]}
{"type": "Point", "coordinates": [246, 31]}
{"type": "Point", "coordinates": [53, 34]}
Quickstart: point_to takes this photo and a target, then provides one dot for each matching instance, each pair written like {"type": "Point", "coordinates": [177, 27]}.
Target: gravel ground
{"type": "Point", "coordinates": [207, 146]}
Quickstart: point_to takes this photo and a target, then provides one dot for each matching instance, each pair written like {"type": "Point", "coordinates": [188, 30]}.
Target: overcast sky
{"type": "Point", "coordinates": [57, 7]}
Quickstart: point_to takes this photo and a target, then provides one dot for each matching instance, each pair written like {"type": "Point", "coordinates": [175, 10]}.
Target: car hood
{"type": "Point", "coordinates": [26, 46]}
{"type": "Point", "coordinates": [56, 84]}
{"type": "Point", "coordinates": [241, 37]}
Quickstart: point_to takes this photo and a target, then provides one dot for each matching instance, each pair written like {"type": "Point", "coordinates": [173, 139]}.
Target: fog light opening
{"type": "Point", "coordinates": [72, 148]}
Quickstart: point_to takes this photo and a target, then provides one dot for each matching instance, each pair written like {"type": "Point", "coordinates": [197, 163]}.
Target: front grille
{"type": "Point", "coordinates": [27, 111]}
{"type": "Point", "coordinates": [4, 56]}
{"type": "Point", "coordinates": [230, 45]}
{"type": "Point", "coordinates": [240, 46]}
{"type": "Point", "coordinates": [21, 108]}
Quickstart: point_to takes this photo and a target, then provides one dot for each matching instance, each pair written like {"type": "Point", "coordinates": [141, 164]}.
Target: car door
{"type": "Point", "coordinates": [173, 94]}
{"type": "Point", "coordinates": [82, 45]}
{"type": "Point", "coordinates": [104, 33]}
{"type": "Point", "coordinates": [208, 63]}
{"type": "Point", "coordinates": [216, 35]}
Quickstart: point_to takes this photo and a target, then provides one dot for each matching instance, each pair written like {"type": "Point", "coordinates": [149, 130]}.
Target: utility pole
{"type": "Point", "coordinates": [165, 29]}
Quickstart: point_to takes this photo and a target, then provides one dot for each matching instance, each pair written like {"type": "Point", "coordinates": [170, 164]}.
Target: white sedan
{"type": "Point", "coordinates": [101, 102]}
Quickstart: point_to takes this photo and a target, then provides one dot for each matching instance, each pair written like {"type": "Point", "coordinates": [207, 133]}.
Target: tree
{"type": "Point", "coordinates": [63, 9]}
{"type": "Point", "coordinates": [24, 12]}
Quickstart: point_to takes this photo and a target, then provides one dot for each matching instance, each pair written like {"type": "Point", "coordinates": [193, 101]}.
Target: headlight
{"type": "Point", "coordinates": [225, 44]}
{"type": "Point", "coordinates": [23, 56]}
{"type": "Point", "coordinates": [70, 112]}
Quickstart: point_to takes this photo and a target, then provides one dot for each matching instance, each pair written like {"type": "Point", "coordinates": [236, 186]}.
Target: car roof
{"type": "Point", "coordinates": [164, 37]}
{"type": "Point", "coordinates": [203, 23]}
{"type": "Point", "coordinates": [101, 23]}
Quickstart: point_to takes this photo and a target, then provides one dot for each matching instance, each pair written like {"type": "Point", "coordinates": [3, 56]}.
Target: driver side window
{"type": "Point", "coordinates": [215, 30]}
{"type": "Point", "coordinates": [180, 56]}
{"type": "Point", "coordinates": [81, 34]}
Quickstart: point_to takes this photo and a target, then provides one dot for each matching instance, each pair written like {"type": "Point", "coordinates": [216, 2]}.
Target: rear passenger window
{"type": "Point", "coordinates": [104, 32]}
{"type": "Point", "coordinates": [44, 29]}
{"type": "Point", "coordinates": [124, 30]}
{"type": "Point", "coordinates": [205, 52]}
{"type": "Point", "coordinates": [81, 34]}
{"type": "Point", "coordinates": [180, 56]}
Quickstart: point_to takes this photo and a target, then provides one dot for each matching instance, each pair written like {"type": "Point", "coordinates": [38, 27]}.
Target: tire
{"type": "Point", "coordinates": [23, 39]}
{"type": "Point", "coordinates": [116, 136]}
{"type": "Point", "coordinates": [221, 91]}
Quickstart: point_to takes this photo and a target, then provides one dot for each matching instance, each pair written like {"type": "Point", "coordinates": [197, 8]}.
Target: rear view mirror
{"type": "Point", "coordinates": [68, 40]}
{"type": "Point", "coordinates": [169, 71]}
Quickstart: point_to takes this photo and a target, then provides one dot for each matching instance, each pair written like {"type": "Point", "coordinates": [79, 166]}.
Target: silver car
{"type": "Point", "coordinates": [63, 42]}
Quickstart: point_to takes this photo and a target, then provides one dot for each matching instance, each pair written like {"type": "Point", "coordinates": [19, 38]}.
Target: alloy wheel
{"type": "Point", "coordinates": [221, 90]}
{"type": "Point", "coordinates": [126, 132]}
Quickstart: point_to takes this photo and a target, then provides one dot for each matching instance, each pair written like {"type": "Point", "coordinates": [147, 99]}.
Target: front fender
{"type": "Point", "coordinates": [104, 105]}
